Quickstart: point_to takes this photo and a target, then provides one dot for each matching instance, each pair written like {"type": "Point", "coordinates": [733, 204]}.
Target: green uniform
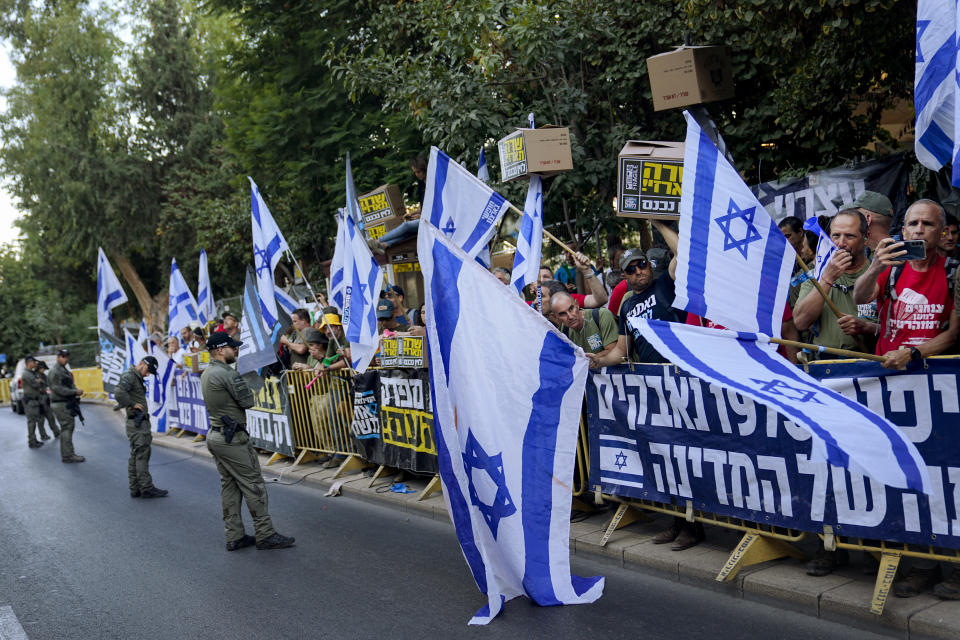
{"type": "Point", "coordinates": [296, 358]}
{"type": "Point", "coordinates": [826, 331]}
{"type": "Point", "coordinates": [46, 409]}
{"type": "Point", "coordinates": [593, 337]}
{"type": "Point", "coordinates": [332, 346]}
{"type": "Point", "coordinates": [62, 388]}
{"type": "Point", "coordinates": [129, 391]}
{"type": "Point", "coordinates": [225, 393]}
{"type": "Point", "coordinates": [32, 399]}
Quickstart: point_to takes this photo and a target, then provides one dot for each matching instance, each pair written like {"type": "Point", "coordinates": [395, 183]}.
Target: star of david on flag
{"type": "Point", "coordinates": [845, 433]}
{"type": "Point", "coordinates": [506, 466]}
{"type": "Point", "coordinates": [733, 262]}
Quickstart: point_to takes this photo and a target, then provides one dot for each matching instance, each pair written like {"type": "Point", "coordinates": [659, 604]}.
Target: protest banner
{"type": "Point", "coordinates": [113, 359]}
{"type": "Point", "coordinates": [187, 411]}
{"type": "Point", "coordinates": [268, 422]}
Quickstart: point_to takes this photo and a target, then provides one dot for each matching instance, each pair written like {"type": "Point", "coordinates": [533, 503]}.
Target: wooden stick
{"type": "Point", "coordinates": [830, 303]}
{"type": "Point", "coordinates": [817, 348]}
{"type": "Point", "coordinates": [550, 236]}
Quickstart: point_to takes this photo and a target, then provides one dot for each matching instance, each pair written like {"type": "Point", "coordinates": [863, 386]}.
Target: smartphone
{"type": "Point", "coordinates": [916, 249]}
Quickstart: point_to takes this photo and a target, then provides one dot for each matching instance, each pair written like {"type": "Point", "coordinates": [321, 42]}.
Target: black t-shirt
{"type": "Point", "coordinates": [653, 304]}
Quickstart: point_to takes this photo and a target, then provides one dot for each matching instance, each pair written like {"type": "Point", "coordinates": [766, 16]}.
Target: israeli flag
{"type": "Point", "coordinates": [268, 247]}
{"type": "Point", "coordinates": [506, 466]}
{"type": "Point", "coordinates": [206, 307]}
{"type": "Point", "coordinates": [482, 171]}
{"type": "Point", "coordinates": [460, 205]}
{"type": "Point", "coordinates": [135, 350]}
{"type": "Point", "coordinates": [825, 246]}
{"type": "Point", "coordinates": [159, 394]}
{"type": "Point", "coordinates": [362, 280]}
{"type": "Point", "coordinates": [109, 292]}
{"type": "Point", "coordinates": [287, 302]}
{"type": "Point", "coordinates": [182, 309]}
{"type": "Point", "coordinates": [526, 259]}
{"type": "Point", "coordinates": [733, 262]}
{"type": "Point", "coordinates": [935, 83]}
{"type": "Point", "coordinates": [143, 335]}
{"type": "Point", "coordinates": [620, 462]}
{"type": "Point", "coordinates": [336, 265]}
{"type": "Point", "coordinates": [845, 433]}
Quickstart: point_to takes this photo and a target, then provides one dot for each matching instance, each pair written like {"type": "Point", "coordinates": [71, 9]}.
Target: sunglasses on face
{"type": "Point", "coordinates": [636, 266]}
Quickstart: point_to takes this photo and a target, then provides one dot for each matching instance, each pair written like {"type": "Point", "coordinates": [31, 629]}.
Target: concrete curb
{"type": "Point", "coordinates": [842, 597]}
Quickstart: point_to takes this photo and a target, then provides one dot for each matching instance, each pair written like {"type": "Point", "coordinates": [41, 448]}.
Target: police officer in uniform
{"type": "Point", "coordinates": [62, 390]}
{"type": "Point", "coordinates": [226, 395]}
{"type": "Point", "coordinates": [46, 411]}
{"type": "Point", "coordinates": [32, 390]}
{"type": "Point", "coordinates": [131, 395]}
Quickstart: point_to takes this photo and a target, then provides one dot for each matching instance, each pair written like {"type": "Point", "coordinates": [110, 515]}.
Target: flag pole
{"type": "Point", "coordinates": [554, 239]}
{"type": "Point", "coordinates": [830, 303]}
{"type": "Point", "coordinates": [819, 348]}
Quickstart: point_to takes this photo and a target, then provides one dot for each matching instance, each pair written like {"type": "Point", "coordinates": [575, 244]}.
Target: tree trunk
{"type": "Point", "coordinates": [149, 306]}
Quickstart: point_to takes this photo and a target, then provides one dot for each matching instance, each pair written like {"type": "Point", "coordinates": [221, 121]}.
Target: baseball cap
{"type": "Point", "coordinates": [231, 314]}
{"type": "Point", "coordinates": [29, 359]}
{"type": "Point", "coordinates": [395, 288]}
{"type": "Point", "coordinates": [384, 310]}
{"type": "Point", "coordinates": [41, 364]}
{"type": "Point", "coordinates": [63, 352]}
{"type": "Point", "coordinates": [219, 339]}
{"type": "Point", "coordinates": [152, 364]}
{"type": "Point", "coordinates": [875, 202]}
{"type": "Point", "coordinates": [312, 335]}
{"type": "Point", "coordinates": [329, 319]}
{"type": "Point", "coordinates": [630, 255]}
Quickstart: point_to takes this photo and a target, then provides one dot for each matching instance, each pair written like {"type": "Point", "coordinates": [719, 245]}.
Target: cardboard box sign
{"type": "Point", "coordinates": [690, 75]}
{"type": "Point", "coordinates": [381, 204]}
{"type": "Point", "coordinates": [649, 177]}
{"type": "Point", "coordinates": [544, 151]}
{"type": "Point", "coordinates": [376, 230]}
{"type": "Point", "coordinates": [402, 351]}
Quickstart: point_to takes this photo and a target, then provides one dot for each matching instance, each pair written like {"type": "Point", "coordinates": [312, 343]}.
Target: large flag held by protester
{"type": "Point", "coordinates": [935, 86]}
{"type": "Point", "coordinates": [257, 350]}
{"type": "Point", "coordinates": [135, 350]}
{"type": "Point", "coordinates": [825, 246]}
{"type": "Point", "coordinates": [109, 292]}
{"type": "Point", "coordinates": [506, 466]}
{"type": "Point", "coordinates": [182, 309]}
{"type": "Point", "coordinates": [845, 433]}
{"type": "Point", "coordinates": [206, 307]}
{"type": "Point", "coordinates": [460, 204]}
{"type": "Point", "coordinates": [733, 262]}
{"type": "Point", "coordinates": [336, 264]}
{"type": "Point", "coordinates": [268, 247]}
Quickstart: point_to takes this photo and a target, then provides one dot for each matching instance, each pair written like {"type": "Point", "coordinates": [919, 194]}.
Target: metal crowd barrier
{"type": "Point", "coordinates": [5, 389]}
{"type": "Point", "coordinates": [321, 416]}
{"type": "Point", "coordinates": [90, 380]}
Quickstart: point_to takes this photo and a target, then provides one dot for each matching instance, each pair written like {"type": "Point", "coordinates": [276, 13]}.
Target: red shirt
{"type": "Point", "coordinates": [922, 307]}
{"type": "Point", "coordinates": [616, 297]}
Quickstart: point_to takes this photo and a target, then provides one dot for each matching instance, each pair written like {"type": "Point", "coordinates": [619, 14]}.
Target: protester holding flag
{"type": "Point", "coordinates": [131, 395]}
{"type": "Point", "coordinates": [848, 233]}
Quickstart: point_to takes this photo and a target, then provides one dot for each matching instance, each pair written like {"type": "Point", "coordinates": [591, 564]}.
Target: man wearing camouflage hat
{"type": "Point", "coordinates": [878, 210]}
{"type": "Point", "coordinates": [63, 393]}
{"type": "Point", "coordinates": [131, 395]}
{"type": "Point", "coordinates": [227, 398]}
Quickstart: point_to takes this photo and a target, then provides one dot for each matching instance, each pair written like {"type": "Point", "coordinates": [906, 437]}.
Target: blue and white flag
{"type": "Point", "coordinates": [460, 205]}
{"type": "Point", "coordinates": [268, 247]}
{"type": "Point", "coordinates": [935, 83]}
{"type": "Point", "coordinates": [206, 307]}
{"type": "Point", "coordinates": [182, 308]}
{"type": "Point", "coordinates": [620, 461]}
{"type": "Point", "coordinates": [526, 259]}
{"type": "Point", "coordinates": [135, 350]}
{"type": "Point", "coordinates": [143, 335]}
{"type": "Point", "coordinates": [109, 292]}
{"type": "Point", "coordinates": [483, 172]}
{"type": "Point", "coordinates": [733, 262]}
{"type": "Point", "coordinates": [158, 387]}
{"type": "Point", "coordinates": [845, 433]}
{"type": "Point", "coordinates": [506, 466]}
{"type": "Point", "coordinates": [287, 302]}
{"type": "Point", "coordinates": [825, 246]}
{"type": "Point", "coordinates": [336, 265]}
{"type": "Point", "coordinates": [362, 280]}
{"type": "Point", "coordinates": [258, 339]}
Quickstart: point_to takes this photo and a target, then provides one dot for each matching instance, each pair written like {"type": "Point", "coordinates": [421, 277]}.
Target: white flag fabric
{"type": "Point", "coordinates": [268, 247]}
{"type": "Point", "coordinates": [109, 292]}
{"type": "Point", "coordinates": [845, 433]}
{"type": "Point", "coordinates": [733, 262]}
{"type": "Point", "coordinates": [506, 465]}
{"type": "Point", "coordinates": [935, 84]}
{"type": "Point", "coordinates": [206, 307]}
{"type": "Point", "coordinates": [483, 171]}
{"type": "Point", "coordinates": [159, 395]}
{"type": "Point", "coordinates": [825, 246]}
{"type": "Point", "coordinates": [336, 265]}
{"type": "Point", "coordinates": [362, 280]}
{"type": "Point", "coordinates": [182, 308]}
{"type": "Point", "coordinates": [460, 204]}
{"type": "Point", "coordinates": [135, 351]}
{"type": "Point", "coordinates": [526, 259]}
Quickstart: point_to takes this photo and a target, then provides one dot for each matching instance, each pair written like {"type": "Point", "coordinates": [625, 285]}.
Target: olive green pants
{"type": "Point", "coordinates": [240, 479]}
{"type": "Point", "coordinates": [31, 407]}
{"type": "Point", "coordinates": [48, 415]}
{"type": "Point", "coordinates": [66, 428]}
{"type": "Point", "coordinates": [138, 468]}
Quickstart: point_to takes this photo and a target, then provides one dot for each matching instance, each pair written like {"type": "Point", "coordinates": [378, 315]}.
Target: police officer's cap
{"type": "Point", "coordinates": [152, 364]}
{"type": "Point", "coordinates": [41, 364]}
{"type": "Point", "coordinates": [29, 359]}
{"type": "Point", "coordinates": [63, 352]}
{"type": "Point", "coordinates": [219, 339]}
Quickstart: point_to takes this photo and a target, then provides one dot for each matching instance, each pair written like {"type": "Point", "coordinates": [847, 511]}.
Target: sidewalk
{"type": "Point", "coordinates": [842, 597]}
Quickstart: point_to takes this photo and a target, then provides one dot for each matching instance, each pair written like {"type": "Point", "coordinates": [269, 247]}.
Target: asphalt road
{"type": "Point", "coordinates": [80, 559]}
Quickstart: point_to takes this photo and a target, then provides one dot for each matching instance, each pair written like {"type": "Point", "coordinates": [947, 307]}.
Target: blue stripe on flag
{"type": "Point", "coordinates": [769, 277]}
{"type": "Point", "coordinates": [937, 142]}
{"type": "Point", "coordinates": [113, 295]}
{"type": "Point", "coordinates": [906, 462]}
{"type": "Point", "coordinates": [439, 181]}
{"type": "Point", "coordinates": [446, 300]}
{"type": "Point", "coordinates": [702, 207]}
{"type": "Point", "coordinates": [539, 451]}
{"type": "Point", "coordinates": [459, 511]}
{"type": "Point", "coordinates": [940, 67]}
{"type": "Point", "coordinates": [487, 218]}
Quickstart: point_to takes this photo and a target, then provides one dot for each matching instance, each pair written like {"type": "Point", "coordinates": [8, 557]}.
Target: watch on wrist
{"type": "Point", "coordinates": [915, 355]}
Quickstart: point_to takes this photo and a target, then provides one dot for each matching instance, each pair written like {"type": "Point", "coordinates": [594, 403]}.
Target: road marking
{"type": "Point", "coordinates": [10, 628]}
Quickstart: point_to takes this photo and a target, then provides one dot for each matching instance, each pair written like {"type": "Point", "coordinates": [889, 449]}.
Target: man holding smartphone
{"type": "Point", "coordinates": [909, 282]}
